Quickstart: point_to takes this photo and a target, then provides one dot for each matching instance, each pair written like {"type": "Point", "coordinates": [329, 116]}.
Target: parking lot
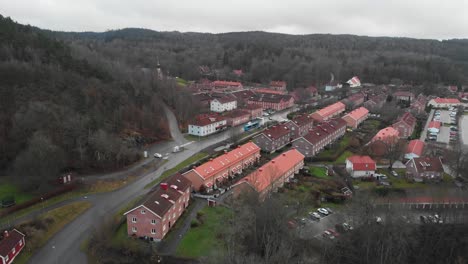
{"type": "Point", "coordinates": [464, 130]}
{"type": "Point", "coordinates": [445, 119]}
{"type": "Point", "coordinates": [314, 228]}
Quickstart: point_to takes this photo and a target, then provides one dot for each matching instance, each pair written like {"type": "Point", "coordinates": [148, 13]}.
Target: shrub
{"type": "Point", "coordinates": [194, 223]}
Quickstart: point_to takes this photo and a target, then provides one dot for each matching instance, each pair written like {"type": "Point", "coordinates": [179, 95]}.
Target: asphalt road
{"type": "Point", "coordinates": [64, 247]}
{"type": "Point", "coordinates": [464, 130]}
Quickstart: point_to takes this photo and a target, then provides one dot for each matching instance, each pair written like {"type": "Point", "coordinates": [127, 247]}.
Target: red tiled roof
{"type": "Point", "coordinates": [226, 83]}
{"type": "Point", "coordinates": [323, 129]}
{"type": "Point", "coordinates": [355, 97]}
{"type": "Point", "coordinates": [204, 120]}
{"type": "Point", "coordinates": [8, 243]}
{"type": "Point", "coordinates": [386, 133]}
{"type": "Point", "coordinates": [244, 94]}
{"type": "Point", "coordinates": [220, 163]}
{"type": "Point", "coordinates": [266, 90]}
{"type": "Point", "coordinates": [269, 97]}
{"type": "Point", "coordinates": [408, 118]}
{"type": "Point", "coordinates": [428, 164]}
{"type": "Point", "coordinates": [331, 109]}
{"type": "Point", "coordinates": [225, 99]}
{"type": "Point", "coordinates": [277, 83]}
{"type": "Point", "coordinates": [446, 100]}
{"type": "Point", "coordinates": [362, 163]}
{"type": "Point", "coordinates": [262, 178]}
{"type": "Point", "coordinates": [358, 113]}
{"type": "Point", "coordinates": [275, 132]}
{"type": "Point", "coordinates": [302, 120]}
{"type": "Point", "coordinates": [237, 113]}
{"type": "Point", "coordinates": [434, 124]}
{"type": "Point", "coordinates": [415, 146]}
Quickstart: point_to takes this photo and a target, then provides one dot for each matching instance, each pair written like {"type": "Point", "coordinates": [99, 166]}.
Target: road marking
{"type": "Point", "coordinates": [186, 144]}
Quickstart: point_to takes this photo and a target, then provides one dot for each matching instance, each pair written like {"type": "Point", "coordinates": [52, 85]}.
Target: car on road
{"type": "Point", "coordinates": [314, 216]}
{"type": "Point", "coordinates": [157, 155]}
{"type": "Point", "coordinates": [328, 234]}
{"type": "Point", "coordinates": [323, 211]}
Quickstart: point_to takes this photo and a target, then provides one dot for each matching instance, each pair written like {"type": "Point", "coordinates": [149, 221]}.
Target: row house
{"type": "Point", "coordinates": [356, 117]}
{"type": "Point", "coordinates": [207, 124]}
{"type": "Point", "coordinates": [243, 96]}
{"type": "Point", "coordinates": [419, 105]}
{"type": "Point", "coordinates": [223, 85]}
{"type": "Point", "coordinates": [305, 95]}
{"type": "Point", "coordinates": [425, 169]}
{"type": "Point", "coordinates": [405, 125]}
{"type": "Point", "coordinates": [388, 135]}
{"type": "Point", "coordinates": [255, 111]}
{"type": "Point", "coordinates": [272, 175]}
{"type": "Point", "coordinates": [403, 96]}
{"type": "Point", "coordinates": [278, 85]}
{"type": "Point", "coordinates": [276, 102]}
{"type": "Point", "coordinates": [328, 112]}
{"type": "Point", "coordinates": [375, 102]}
{"type": "Point", "coordinates": [320, 136]}
{"type": "Point", "coordinates": [273, 138]}
{"type": "Point", "coordinates": [160, 211]}
{"type": "Point", "coordinates": [444, 102]}
{"type": "Point", "coordinates": [269, 90]}
{"type": "Point", "coordinates": [414, 149]}
{"type": "Point", "coordinates": [11, 244]}
{"type": "Point", "coordinates": [223, 104]}
{"type": "Point", "coordinates": [300, 125]}
{"type": "Point", "coordinates": [237, 117]}
{"type": "Point", "coordinates": [360, 166]}
{"type": "Point", "coordinates": [210, 174]}
{"type": "Point", "coordinates": [354, 100]}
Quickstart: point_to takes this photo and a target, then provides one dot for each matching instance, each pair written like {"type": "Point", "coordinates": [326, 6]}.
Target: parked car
{"type": "Point", "coordinates": [394, 173]}
{"type": "Point", "coordinates": [333, 231]}
{"type": "Point", "coordinates": [157, 155]}
{"type": "Point", "coordinates": [343, 228]}
{"type": "Point", "coordinates": [328, 234]}
{"type": "Point", "coordinates": [323, 211]}
{"type": "Point", "coordinates": [330, 211]}
{"type": "Point", "coordinates": [423, 219]}
{"type": "Point", "coordinates": [453, 128]}
{"type": "Point", "coordinates": [314, 216]}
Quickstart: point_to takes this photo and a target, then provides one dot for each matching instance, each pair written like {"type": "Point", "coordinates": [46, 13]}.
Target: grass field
{"type": "Point", "coordinates": [179, 166]}
{"type": "Point", "coordinates": [9, 189]}
{"type": "Point", "coordinates": [59, 217]}
{"type": "Point", "coordinates": [201, 240]}
{"type": "Point", "coordinates": [319, 172]}
{"type": "Point", "coordinates": [342, 158]}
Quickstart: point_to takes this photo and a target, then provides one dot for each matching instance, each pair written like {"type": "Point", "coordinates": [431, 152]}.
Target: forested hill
{"type": "Point", "coordinates": [61, 111]}
{"type": "Point", "coordinates": [299, 59]}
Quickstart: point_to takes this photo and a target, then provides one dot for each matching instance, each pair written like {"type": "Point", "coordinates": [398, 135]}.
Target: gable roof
{"type": "Point", "coordinates": [210, 168]}
{"type": "Point", "coordinates": [226, 83]}
{"type": "Point", "coordinates": [323, 129]}
{"type": "Point", "coordinates": [270, 97]}
{"type": "Point", "coordinates": [268, 90]}
{"type": "Point", "coordinates": [408, 119]}
{"type": "Point", "coordinates": [386, 133]}
{"type": "Point", "coordinates": [278, 83]}
{"type": "Point", "coordinates": [244, 94]}
{"type": "Point", "coordinates": [434, 124]}
{"type": "Point", "coordinates": [275, 132]}
{"type": "Point", "coordinates": [362, 163]}
{"type": "Point", "coordinates": [225, 99]}
{"type": "Point", "coordinates": [237, 113]}
{"type": "Point", "coordinates": [302, 120]}
{"type": "Point", "coordinates": [331, 109]}
{"type": "Point", "coordinates": [446, 100]}
{"type": "Point", "coordinates": [273, 170]}
{"type": "Point", "coordinates": [430, 164]}
{"type": "Point", "coordinates": [357, 114]}
{"type": "Point", "coordinates": [415, 146]}
{"type": "Point", "coordinates": [204, 120]}
{"type": "Point", "coordinates": [9, 242]}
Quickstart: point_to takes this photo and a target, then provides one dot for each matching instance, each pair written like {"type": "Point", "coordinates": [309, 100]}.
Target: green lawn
{"type": "Point", "coordinates": [181, 81]}
{"type": "Point", "coordinates": [335, 148]}
{"type": "Point", "coordinates": [179, 166]}
{"type": "Point", "coordinates": [319, 172]}
{"type": "Point", "coordinates": [200, 240]}
{"type": "Point", "coordinates": [342, 158]}
{"type": "Point", "coordinates": [9, 189]}
{"type": "Point", "coordinates": [194, 138]}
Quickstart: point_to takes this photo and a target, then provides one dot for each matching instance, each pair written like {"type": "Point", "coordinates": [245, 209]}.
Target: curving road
{"type": "Point", "coordinates": [64, 247]}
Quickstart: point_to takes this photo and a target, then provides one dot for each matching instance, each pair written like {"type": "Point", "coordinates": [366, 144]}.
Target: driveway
{"type": "Point", "coordinates": [424, 131]}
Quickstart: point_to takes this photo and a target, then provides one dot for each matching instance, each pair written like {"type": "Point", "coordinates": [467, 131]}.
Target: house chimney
{"type": "Point", "coordinates": [272, 161]}
{"type": "Point", "coordinates": [225, 151]}
{"type": "Point", "coordinates": [164, 186]}
{"type": "Point", "coordinates": [6, 234]}
{"type": "Point", "coordinates": [260, 170]}
{"type": "Point", "coordinates": [284, 154]}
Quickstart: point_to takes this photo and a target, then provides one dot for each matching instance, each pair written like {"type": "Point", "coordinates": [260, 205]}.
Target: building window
{"type": "Point", "coordinates": [143, 211]}
{"type": "Point", "coordinates": [153, 221]}
{"type": "Point", "coordinates": [134, 229]}
{"type": "Point", "coordinates": [13, 251]}
{"type": "Point", "coordinates": [134, 220]}
{"type": "Point", "coordinates": [164, 227]}
{"type": "Point", "coordinates": [153, 231]}
{"type": "Point", "coordinates": [21, 243]}
{"type": "Point", "coordinates": [173, 215]}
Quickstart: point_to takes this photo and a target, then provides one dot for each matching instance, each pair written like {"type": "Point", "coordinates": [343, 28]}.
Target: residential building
{"type": "Point", "coordinates": [328, 112]}
{"type": "Point", "coordinates": [375, 102]}
{"type": "Point", "coordinates": [356, 117]}
{"type": "Point", "coordinates": [207, 124]}
{"type": "Point", "coordinates": [425, 169]}
{"type": "Point", "coordinates": [354, 82]}
{"type": "Point", "coordinates": [419, 105]}
{"type": "Point", "coordinates": [210, 174]}
{"type": "Point", "coordinates": [354, 100]}
{"type": "Point", "coordinates": [331, 86]}
{"type": "Point", "coordinates": [388, 135]}
{"type": "Point", "coordinates": [463, 96]}
{"type": "Point", "coordinates": [300, 125]}
{"type": "Point", "coordinates": [11, 244]}
{"type": "Point", "coordinates": [159, 212]}
{"type": "Point", "coordinates": [237, 117]}
{"type": "Point", "coordinates": [452, 88]}
{"type": "Point", "coordinates": [305, 95]}
{"type": "Point", "coordinates": [273, 138]}
{"type": "Point", "coordinates": [243, 96]}
{"type": "Point", "coordinates": [444, 102]}
{"type": "Point", "coordinates": [272, 175]}
{"type": "Point", "coordinates": [414, 149]}
{"type": "Point", "coordinates": [223, 104]}
{"type": "Point", "coordinates": [270, 90]}
{"type": "Point", "coordinates": [226, 85]}
{"type": "Point", "coordinates": [272, 101]}
{"type": "Point", "coordinates": [255, 111]}
{"type": "Point", "coordinates": [360, 166]}
{"type": "Point", "coordinates": [320, 136]}
{"type": "Point", "coordinates": [405, 125]}
{"type": "Point", "coordinates": [278, 85]}
{"type": "Point", "coordinates": [403, 96]}
{"type": "Point", "coordinates": [434, 127]}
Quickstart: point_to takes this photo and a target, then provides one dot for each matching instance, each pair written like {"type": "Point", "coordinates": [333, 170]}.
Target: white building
{"type": "Point", "coordinates": [220, 105]}
{"type": "Point", "coordinates": [360, 166]}
{"type": "Point", "coordinates": [444, 102]}
{"type": "Point", "coordinates": [207, 125]}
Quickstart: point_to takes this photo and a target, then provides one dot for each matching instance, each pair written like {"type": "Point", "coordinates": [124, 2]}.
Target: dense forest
{"type": "Point", "coordinates": [301, 60]}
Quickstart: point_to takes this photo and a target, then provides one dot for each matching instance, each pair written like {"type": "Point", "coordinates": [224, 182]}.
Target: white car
{"type": "Point", "coordinates": [323, 211]}
{"type": "Point", "coordinates": [157, 155]}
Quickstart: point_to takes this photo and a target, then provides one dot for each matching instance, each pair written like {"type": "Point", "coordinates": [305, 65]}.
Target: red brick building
{"type": "Point", "coordinates": [329, 112]}
{"type": "Point", "coordinates": [405, 125]}
{"type": "Point", "coordinates": [222, 85]}
{"type": "Point", "coordinates": [272, 101]}
{"type": "Point", "coordinates": [214, 172]}
{"type": "Point", "coordinates": [320, 136]}
{"type": "Point", "coordinates": [270, 90]}
{"type": "Point", "coordinates": [272, 175]}
{"type": "Point", "coordinates": [356, 117]}
{"type": "Point", "coordinates": [278, 85]}
{"type": "Point", "coordinates": [388, 135]}
{"type": "Point", "coordinates": [300, 125]}
{"type": "Point", "coordinates": [243, 96]}
{"type": "Point", "coordinates": [237, 117]}
{"type": "Point", "coordinates": [419, 105]}
{"type": "Point", "coordinates": [273, 138]}
{"type": "Point", "coordinates": [255, 111]}
{"type": "Point", "coordinates": [155, 217]}
{"type": "Point", "coordinates": [11, 244]}
{"type": "Point", "coordinates": [403, 96]}
{"type": "Point", "coordinates": [305, 95]}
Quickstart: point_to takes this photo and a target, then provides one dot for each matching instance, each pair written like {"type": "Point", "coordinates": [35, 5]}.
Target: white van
{"type": "Point", "coordinates": [157, 155]}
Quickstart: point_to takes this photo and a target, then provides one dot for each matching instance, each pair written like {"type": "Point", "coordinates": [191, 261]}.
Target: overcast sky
{"type": "Point", "coordinates": [404, 18]}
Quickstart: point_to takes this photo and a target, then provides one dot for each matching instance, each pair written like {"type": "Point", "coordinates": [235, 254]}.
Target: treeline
{"type": "Point", "coordinates": [300, 60]}
{"type": "Point", "coordinates": [65, 108]}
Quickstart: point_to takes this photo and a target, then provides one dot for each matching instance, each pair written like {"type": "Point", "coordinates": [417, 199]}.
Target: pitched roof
{"type": "Point", "coordinates": [225, 99]}
{"type": "Point", "coordinates": [275, 132]}
{"type": "Point", "coordinates": [237, 113]}
{"type": "Point", "coordinates": [273, 170]}
{"type": "Point", "coordinates": [362, 163]}
{"type": "Point", "coordinates": [206, 119]}
{"type": "Point", "coordinates": [226, 83]}
{"type": "Point", "coordinates": [278, 83]}
{"type": "Point", "coordinates": [408, 118]}
{"type": "Point", "coordinates": [434, 124]}
{"type": "Point", "coordinates": [386, 133]}
{"type": "Point", "coordinates": [357, 114]}
{"type": "Point", "coordinates": [355, 97]}
{"type": "Point", "coordinates": [244, 94]}
{"type": "Point", "coordinates": [210, 168]}
{"type": "Point", "coordinates": [9, 242]}
{"type": "Point", "coordinates": [446, 100]}
{"type": "Point", "coordinates": [302, 120]}
{"type": "Point", "coordinates": [269, 97]}
{"type": "Point", "coordinates": [323, 129]}
{"type": "Point", "coordinates": [415, 146]}
{"type": "Point", "coordinates": [331, 109]}
{"type": "Point", "coordinates": [428, 164]}
{"type": "Point", "coordinates": [267, 90]}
